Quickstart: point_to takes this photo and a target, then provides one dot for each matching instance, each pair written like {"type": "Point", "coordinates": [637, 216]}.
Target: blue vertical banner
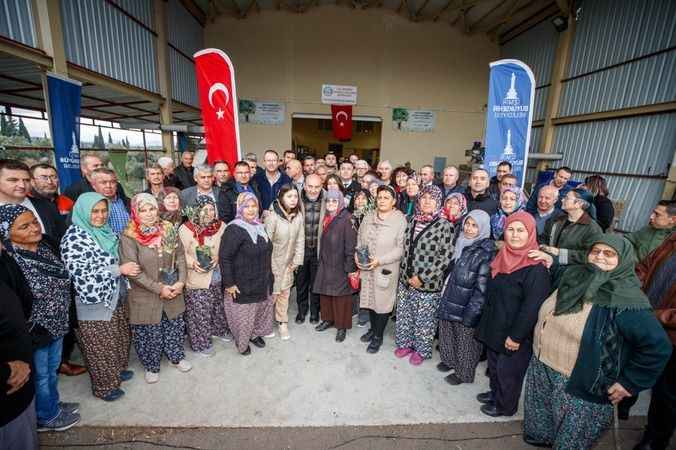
{"type": "Point", "coordinates": [509, 115]}
{"type": "Point", "coordinates": [64, 117]}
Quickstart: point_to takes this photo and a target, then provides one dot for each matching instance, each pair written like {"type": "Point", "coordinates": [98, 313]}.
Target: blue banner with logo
{"type": "Point", "coordinates": [511, 91]}
{"type": "Point", "coordinates": [64, 115]}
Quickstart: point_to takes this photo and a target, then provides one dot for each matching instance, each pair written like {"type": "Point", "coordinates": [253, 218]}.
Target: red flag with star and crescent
{"type": "Point", "coordinates": [342, 121]}
{"type": "Point", "coordinates": [218, 100]}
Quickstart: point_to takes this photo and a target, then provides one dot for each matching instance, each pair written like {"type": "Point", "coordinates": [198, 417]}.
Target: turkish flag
{"type": "Point", "coordinates": [218, 99]}
{"type": "Point", "coordinates": [342, 121]}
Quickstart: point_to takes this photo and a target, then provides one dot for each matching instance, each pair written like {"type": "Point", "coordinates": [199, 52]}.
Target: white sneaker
{"type": "Point", "coordinates": [207, 353]}
{"type": "Point", "coordinates": [225, 339]}
{"type": "Point", "coordinates": [183, 365]}
{"type": "Point", "coordinates": [284, 332]}
{"type": "Point", "coordinates": [152, 377]}
{"type": "Point", "coordinates": [271, 335]}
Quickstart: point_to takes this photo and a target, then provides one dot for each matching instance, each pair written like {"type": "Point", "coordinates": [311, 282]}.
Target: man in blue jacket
{"type": "Point", "coordinates": [560, 182]}
{"type": "Point", "coordinates": [271, 180]}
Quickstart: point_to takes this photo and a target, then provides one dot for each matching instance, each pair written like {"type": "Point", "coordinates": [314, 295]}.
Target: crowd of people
{"type": "Point", "coordinates": [540, 286]}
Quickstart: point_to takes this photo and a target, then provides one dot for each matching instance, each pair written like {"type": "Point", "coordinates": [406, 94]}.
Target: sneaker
{"type": "Point", "coordinates": [207, 353]}
{"type": "Point", "coordinates": [224, 339]}
{"type": "Point", "coordinates": [416, 359]}
{"type": "Point", "coordinates": [362, 324]}
{"type": "Point", "coordinates": [62, 422]}
{"type": "Point", "coordinates": [126, 375]}
{"type": "Point", "coordinates": [284, 331]}
{"type": "Point", "coordinates": [152, 377]}
{"type": "Point", "coordinates": [271, 335]}
{"type": "Point", "coordinates": [70, 408]}
{"type": "Point", "coordinates": [183, 365]}
{"type": "Point", "coordinates": [402, 352]}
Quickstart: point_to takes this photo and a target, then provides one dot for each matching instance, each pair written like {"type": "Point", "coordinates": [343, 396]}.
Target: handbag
{"type": "Point", "coordinates": [355, 280]}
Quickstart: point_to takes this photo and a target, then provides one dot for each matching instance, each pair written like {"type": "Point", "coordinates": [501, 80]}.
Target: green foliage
{"type": "Point", "coordinates": [247, 107]}
{"type": "Point", "coordinates": [22, 131]}
{"type": "Point", "coordinates": [399, 115]}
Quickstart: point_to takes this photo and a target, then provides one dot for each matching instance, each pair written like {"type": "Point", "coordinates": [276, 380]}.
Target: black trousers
{"type": "Point", "coordinates": [378, 322]}
{"type": "Point", "coordinates": [506, 374]}
{"type": "Point", "coordinates": [305, 278]}
{"type": "Point", "coordinates": [662, 412]}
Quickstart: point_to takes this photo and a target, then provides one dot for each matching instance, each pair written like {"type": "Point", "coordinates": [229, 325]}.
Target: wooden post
{"type": "Point", "coordinates": [164, 75]}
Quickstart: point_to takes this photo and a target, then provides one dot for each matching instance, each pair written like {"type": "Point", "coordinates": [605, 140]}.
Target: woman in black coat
{"type": "Point", "coordinates": [463, 298]}
{"type": "Point", "coordinates": [515, 291]}
{"type": "Point", "coordinates": [605, 212]}
{"type": "Point", "coordinates": [336, 264]}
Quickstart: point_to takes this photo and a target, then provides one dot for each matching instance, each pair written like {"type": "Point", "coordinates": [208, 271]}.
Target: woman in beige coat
{"type": "Point", "coordinates": [204, 304]}
{"type": "Point", "coordinates": [286, 229]}
{"type": "Point", "coordinates": [156, 295]}
{"type": "Point", "coordinates": [382, 232]}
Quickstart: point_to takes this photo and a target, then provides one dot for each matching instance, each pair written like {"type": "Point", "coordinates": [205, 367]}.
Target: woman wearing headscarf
{"type": "Point", "coordinates": [455, 208]}
{"type": "Point", "coordinates": [596, 342]}
{"type": "Point", "coordinates": [90, 251]}
{"type": "Point", "coordinates": [286, 229]}
{"type": "Point", "coordinates": [49, 284]}
{"type": "Point", "coordinates": [336, 264]}
{"type": "Point", "coordinates": [361, 204]}
{"type": "Point", "coordinates": [509, 203]}
{"type": "Point", "coordinates": [463, 298]}
{"type": "Point", "coordinates": [428, 245]}
{"type": "Point", "coordinates": [156, 302]}
{"type": "Point", "coordinates": [517, 287]}
{"type": "Point", "coordinates": [382, 233]}
{"type": "Point", "coordinates": [245, 258]}
{"type": "Point", "coordinates": [169, 202]}
{"type": "Point", "coordinates": [204, 309]}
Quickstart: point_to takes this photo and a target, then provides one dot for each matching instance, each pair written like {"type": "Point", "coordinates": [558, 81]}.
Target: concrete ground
{"type": "Point", "coordinates": [308, 392]}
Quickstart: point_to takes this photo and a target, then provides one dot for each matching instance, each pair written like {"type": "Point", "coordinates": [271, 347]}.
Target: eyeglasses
{"type": "Point", "coordinates": [48, 178]}
{"type": "Point", "coordinates": [606, 253]}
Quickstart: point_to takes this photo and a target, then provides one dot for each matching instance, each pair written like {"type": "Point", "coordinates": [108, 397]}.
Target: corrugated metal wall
{"type": "Point", "coordinates": [101, 38]}
{"type": "Point", "coordinates": [187, 36]}
{"type": "Point", "coordinates": [141, 10]}
{"type": "Point", "coordinates": [16, 21]}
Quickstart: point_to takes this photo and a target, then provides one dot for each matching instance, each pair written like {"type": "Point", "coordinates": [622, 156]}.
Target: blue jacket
{"type": "Point", "coordinates": [464, 294]}
{"type": "Point", "coordinates": [269, 193]}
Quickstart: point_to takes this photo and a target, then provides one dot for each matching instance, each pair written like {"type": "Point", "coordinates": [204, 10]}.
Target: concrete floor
{"type": "Point", "coordinates": [308, 381]}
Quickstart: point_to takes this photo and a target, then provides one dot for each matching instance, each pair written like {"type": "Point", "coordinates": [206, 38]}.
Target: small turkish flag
{"type": "Point", "coordinates": [218, 100]}
{"type": "Point", "coordinates": [342, 121]}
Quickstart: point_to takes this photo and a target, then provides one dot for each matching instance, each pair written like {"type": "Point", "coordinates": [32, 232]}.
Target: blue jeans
{"type": "Point", "coordinates": [47, 360]}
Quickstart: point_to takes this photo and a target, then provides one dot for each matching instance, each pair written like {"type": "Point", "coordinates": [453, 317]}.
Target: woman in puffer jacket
{"type": "Point", "coordinates": [463, 297]}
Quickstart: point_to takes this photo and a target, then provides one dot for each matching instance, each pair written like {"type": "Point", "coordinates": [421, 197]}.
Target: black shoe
{"type": "Point", "coordinates": [258, 342]}
{"type": "Point", "coordinates": [246, 352]}
{"type": "Point", "coordinates": [374, 345]}
{"type": "Point", "coordinates": [300, 318]}
{"type": "Point", "coordinates": [340, 335]}
{"type": "Point", "coordinates": [647, 444]}
{"type": "Point", "coordinates": [113, 395]}
{"type": "Point", "coordinates": [453, 379]}
{"type": "Point", "coordinates": [442, 367]}
{"type": "Point", "coordinates": [325, 325]}
{"type": "Point", "coordinates": [491, 410]}
{"type": "Point", "coordinates": [314, 319]}
{"type": "Point", "coordinates": [366, 337]}
{"type": "Point", "coordinates": [530, 441]}
{"type": "Point", "coordinates": [486, 397]}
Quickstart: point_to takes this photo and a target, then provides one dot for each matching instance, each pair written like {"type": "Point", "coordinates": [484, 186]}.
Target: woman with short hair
{"type": "Point", "coordinates": [605, 211]}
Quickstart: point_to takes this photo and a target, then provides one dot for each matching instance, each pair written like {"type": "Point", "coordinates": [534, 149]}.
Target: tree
{"type": "Point", "coordinates": [399, 115]}
{"type": "Point", "coordinates": [247, 107]}
{"type": "Point", "coordinates": [98, 141]}
{"type": "Point", "coordinates": [110, 138]}
{"type": "Point", "coordinates": [23, 131]}
{"type": "Point", "coordinates": [3, 125]}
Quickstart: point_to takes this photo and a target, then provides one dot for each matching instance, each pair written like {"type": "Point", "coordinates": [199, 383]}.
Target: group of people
{"type": "Point", "coordinates": [538, 286]}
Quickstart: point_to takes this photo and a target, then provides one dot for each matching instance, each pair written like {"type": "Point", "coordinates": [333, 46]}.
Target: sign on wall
{"type": "Point", "coordinates": [413, 120]}
{"type": "Point", "coordinates": [509, 116]}
{"type": "Point", "coordinates": [334, 94]}
{"type": "Point", "coordinates": [262, 113]}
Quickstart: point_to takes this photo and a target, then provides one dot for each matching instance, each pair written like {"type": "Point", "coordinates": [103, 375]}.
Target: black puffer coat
{"type": "Point", "coordinates": [464, 294]}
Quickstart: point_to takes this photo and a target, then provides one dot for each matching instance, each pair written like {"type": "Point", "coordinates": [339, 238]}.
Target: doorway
{"type": "Point", "coordinates": [312, 134]}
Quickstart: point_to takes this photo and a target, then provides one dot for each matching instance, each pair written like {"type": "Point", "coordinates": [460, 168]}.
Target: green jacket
{"type": "Point", "coordinates": [570, 236]}
{"type": "Point", "coordinates": [646, 240]}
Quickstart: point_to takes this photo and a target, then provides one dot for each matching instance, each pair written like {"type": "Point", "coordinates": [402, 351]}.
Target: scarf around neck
{"type": "Point", "coordinates": [254, 227]}
{"type": "Point", "coordinates": [103, 235]}
{"type": "Point", "coordinates": [437, 196]}
{"type": "Point", "coordinates": [483, 221]}
{"type": "Point", "coordinates": [510, 259]}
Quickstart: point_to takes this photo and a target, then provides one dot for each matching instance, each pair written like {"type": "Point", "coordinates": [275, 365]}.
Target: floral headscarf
{"type": "Point", "coordinates": [254, 227]}
{"type": "Point", "coordinates": [8, 214]}
{"type": "Point", "coordinates": [437, 196]}
{"type": "Point", "coordinates": [171, 216]}
{"type": "Point", "coordinates": [462, 201]}
{"type": "Point", "coordinates": [197, 222]}
{"type": "Point", "coordinates": [148, 236]}
{"type": "Point", "coordinates": [498, 219]}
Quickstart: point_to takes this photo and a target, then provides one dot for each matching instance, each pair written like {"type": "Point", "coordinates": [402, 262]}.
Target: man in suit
{"type": "Point", "coordinates": [204, 179]}
{"type": "Point", "coordinates": [227, 200]}
{"type": "Point", "coordinates": [346, 174]}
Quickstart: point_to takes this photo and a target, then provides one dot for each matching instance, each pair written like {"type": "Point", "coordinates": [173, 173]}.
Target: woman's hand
{"type": "Point", "coordinates": [233, 291]}
{"type": "Point", "coordinates": [616, 393]}
{"type": "Point", "coordinates": [551, 250]}
{"type": "Point", "coordinates": [415, 282]}
{"type": "Point", "coordinates": [197, 268]}
{"type": "Point", "coordinates": [373, 264]}
{"type": "Point", "coordinates": [539, 255]}
{"type": "Point", "coordinates": [177, 288]}
{"type": "Point", "coordinates": [130, 269]}
{"type": "Point", "coordinates": [511, 345]}
{"type": "Point", "coordinates": [19, 374]}
{"type": "Point", "coordinates": [166, 293]}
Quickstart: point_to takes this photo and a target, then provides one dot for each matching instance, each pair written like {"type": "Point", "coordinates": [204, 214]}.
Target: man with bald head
{"type": "Point", "coordinates": [385, 172]}
{"type": "Point", "coordinates": [477, 194]}
{"type": "Point", "coordinates": [88, 164]}
{"type": "Point", "coordinates": [315, 209]}
{"type": "Point", "coordinates": [294, 170]}
{"type": "Point", "coordinates": [450, 182]}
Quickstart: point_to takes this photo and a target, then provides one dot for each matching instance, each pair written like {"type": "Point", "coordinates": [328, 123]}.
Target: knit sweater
{"type": "Point", "coordinates": [428, 253]}
{"type": "Point", "coordinates": [246, 264]}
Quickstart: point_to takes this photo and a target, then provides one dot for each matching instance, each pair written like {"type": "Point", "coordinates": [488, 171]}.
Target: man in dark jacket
{"type": "Point", "coordinates": [227, 200]}
{"type": "Point", "coordinates": [271, 180]}
{"type": "Point", "coordinates": [477, 194]}
{"type": "Point", "coordinates": [185, 172]}
{"type": "Point", "coordinates": [504, 168]}
{"type": "Point", "coordinates": [560, 182]}
{"type": "Point", "coordinates": [450, 182]}
{"type": "Point", "coordinates": [88, 164]}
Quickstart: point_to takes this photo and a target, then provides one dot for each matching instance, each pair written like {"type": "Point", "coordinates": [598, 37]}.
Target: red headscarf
{"type": "Point", "coordinates": [510, 259]}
